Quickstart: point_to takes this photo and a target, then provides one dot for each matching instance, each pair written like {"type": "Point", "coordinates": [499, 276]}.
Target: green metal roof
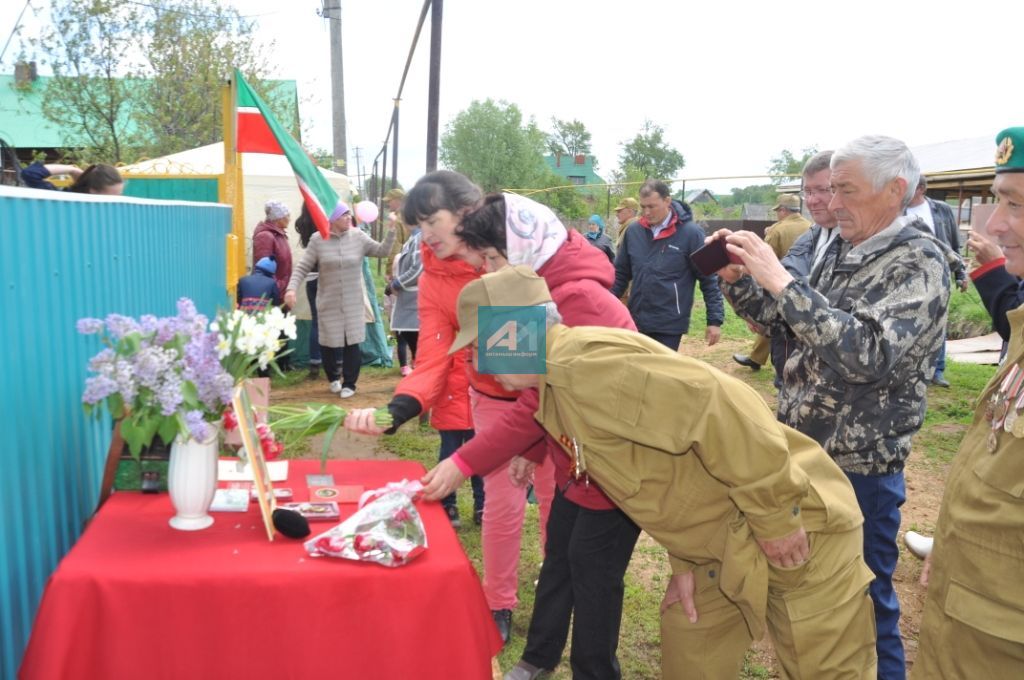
{"type": "Point", "coordinates": [566, 166]}
{"type": "Point", "coordinates": [23, 126]}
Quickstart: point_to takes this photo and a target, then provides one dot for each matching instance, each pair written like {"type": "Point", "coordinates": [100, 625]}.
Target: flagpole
{"type": "Point", "coordinates": [232, 192]}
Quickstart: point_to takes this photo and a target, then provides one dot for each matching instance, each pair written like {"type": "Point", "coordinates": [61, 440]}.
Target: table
{"type": "Point", "coordinates": [137, 599]}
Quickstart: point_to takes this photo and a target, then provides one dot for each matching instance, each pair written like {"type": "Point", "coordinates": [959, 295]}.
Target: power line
{"type": "Point", "coordinates": [408, 64]}
{"type": "Point", "coordinates": [176, 10]}
{"type": "Point", "coordinates": [14, 30]}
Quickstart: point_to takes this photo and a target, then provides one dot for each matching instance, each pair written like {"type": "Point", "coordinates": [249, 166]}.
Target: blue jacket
{"type": "Point", "coordinates": [662, 275]}
{"type": "Point", "coordinates": [257, 291]}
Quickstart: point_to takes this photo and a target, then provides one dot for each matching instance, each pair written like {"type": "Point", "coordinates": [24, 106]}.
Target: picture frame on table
{"type": "Point", "coordinates": [253, 454]}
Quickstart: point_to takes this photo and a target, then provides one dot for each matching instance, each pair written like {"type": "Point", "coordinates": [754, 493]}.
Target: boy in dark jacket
{"type": "Point", "coordinates": [258, 291]}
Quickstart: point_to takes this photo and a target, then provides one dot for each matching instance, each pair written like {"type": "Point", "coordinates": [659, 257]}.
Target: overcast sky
{"type": "Point", "coordinates": [732, 83]}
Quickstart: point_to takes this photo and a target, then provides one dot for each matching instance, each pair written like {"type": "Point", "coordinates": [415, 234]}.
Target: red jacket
{"type": "Point", "coordinates": [578, 276]}
{"type": "Point", "coordinates": [270, 240]}
{"type": "Point", "coordinates": [441, 381]}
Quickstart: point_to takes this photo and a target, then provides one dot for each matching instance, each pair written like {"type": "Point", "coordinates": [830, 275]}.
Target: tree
{"type": "Point", "coordinates": [191, 46]}
{"type": "Point", "coordinates": [88, 48]}
{"type": "Point", "coordinates": [136, 78]}
{"type": "Point", "coordinates": [489, 143]}
{"type": "Point", "coordinates": [788, 164]}
{"type": "Point", "coordinates": [649, 155]}
{"type": "Point", "coordinates": [570, 138]}
{"type": "Point", "coordinates": [758, 193]}
{"type": "Point", "coordinates": [568, 202]}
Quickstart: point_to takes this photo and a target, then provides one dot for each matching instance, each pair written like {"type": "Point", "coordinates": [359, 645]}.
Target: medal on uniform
{"type": "Point", "coordinates": [1012, 400]}
{"type": "Point", "coordinates": [1002, 398]}
{"type": "Point", "coordinates": [1017, 428]}
{"type": "Point", "coordinates": [579, 465]}
{"type": "Point", "coordinates": [1003, 403]}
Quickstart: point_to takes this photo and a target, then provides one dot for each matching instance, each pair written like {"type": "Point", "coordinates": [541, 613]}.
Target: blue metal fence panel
{"type": "Point", "coordinates": [67, 257]}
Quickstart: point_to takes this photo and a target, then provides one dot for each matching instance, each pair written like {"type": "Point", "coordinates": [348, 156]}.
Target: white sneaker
{"type": "Point", "coordinates": [347, 392]}
{"type": "Point", "coordinates": [335, 387]}
{"type": "Point", "coordinates": [920, 546]}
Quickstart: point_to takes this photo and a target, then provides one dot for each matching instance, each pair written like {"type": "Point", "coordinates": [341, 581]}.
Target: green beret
{"type": "Point", "coordinates": [1010, 150]}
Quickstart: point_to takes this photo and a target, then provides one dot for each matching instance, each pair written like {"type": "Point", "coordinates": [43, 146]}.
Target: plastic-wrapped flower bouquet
{"type": "Point", "coordinates": [387, 529]}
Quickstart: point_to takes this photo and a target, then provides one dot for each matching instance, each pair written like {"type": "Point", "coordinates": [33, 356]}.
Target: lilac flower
{"type": "Point", "coordinates": [151, 364]}
{"type": "Point", "coordinates": [198, 428]}
{"type": "Point", "coordinates": [149, 324]}
{"type": "Point", "coordinates": [169, 395]}
{"type": "Point", "coordinates": [123, 375]}
{"type": "Point", "coordinates": [119, 326]}
{"type": "Point", "coordinates": [98, 388]}
{"type": "Point", "coordinates": [103, 360]}
{"type": "Point", "coordinates": [89, 326]}
{"type": "Point", "coordinates": [186, 309]}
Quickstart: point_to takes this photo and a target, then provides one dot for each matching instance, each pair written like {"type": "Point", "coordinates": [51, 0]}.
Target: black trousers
{"type": "Point", "coordinates": [585, 560]}
{"type": "Point", "coordinates": [351, 362]}
{"type": "Point", "coordinates": [670, 340]}
{"type": "Point", "coordinates": [406, 346]}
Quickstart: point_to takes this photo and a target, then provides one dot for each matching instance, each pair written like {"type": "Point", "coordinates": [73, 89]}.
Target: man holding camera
{"type": "Point", "coordinates": [868, 334]}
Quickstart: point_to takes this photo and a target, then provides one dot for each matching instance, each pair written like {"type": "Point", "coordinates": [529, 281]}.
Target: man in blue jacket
{"type": "Point", "coordinates": [656, 258]}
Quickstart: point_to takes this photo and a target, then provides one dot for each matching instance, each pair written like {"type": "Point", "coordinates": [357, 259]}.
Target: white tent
{"type": "Point", "coordinates": [265, 177]}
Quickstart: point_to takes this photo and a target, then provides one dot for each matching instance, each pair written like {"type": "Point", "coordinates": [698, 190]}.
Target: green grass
{"type": "Point", "coordinates": [950, 411]}
{"type": "Point", "coordinates": [967, 315]}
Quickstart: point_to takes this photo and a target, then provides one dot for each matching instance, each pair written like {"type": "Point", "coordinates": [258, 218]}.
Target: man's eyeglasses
{"type": "Point", "coordinates": [810, 193]}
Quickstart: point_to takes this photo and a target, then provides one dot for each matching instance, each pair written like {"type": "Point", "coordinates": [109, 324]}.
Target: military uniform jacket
{"type": "Point", "coordinates": [869, 334]}
{"type": "Point", "coordinates": [692, 455]}
{"type": "Point", "coordinates": [783, 234]}
{"type": "Point", "coordinates": [979, 543]}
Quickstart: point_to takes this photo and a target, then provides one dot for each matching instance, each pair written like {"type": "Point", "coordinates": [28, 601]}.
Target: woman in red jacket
{"type": "Point", "coordinates": [589, 541]}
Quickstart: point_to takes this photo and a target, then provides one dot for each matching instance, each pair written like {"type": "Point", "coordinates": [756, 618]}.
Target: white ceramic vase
{"type": "Point", "coordinates": [192, 481]}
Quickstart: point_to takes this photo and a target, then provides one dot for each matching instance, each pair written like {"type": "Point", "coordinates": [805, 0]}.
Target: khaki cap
{"type": "Point", "coordinates": [630, 203]}
{"type": "Point", "coordinates": [517, 286]}
{"type": "Point", "coordinates": [788, 201]}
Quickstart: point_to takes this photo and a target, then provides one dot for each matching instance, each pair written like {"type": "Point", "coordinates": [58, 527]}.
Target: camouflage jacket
{"type": "Point", "coordinates": [869, 334]}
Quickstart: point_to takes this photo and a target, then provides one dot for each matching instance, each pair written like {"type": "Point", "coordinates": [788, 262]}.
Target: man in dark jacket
{"type": "Point", "coordinates": [258, 291]}
{"type": "Point", "coordinates": [944, 226]}
{"type": "Point", "coordinates": [656, 258]}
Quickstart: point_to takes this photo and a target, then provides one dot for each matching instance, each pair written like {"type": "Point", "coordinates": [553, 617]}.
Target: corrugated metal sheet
{"type": "Point", "coordinates": [67, 257]}
{"type": "Point", "coordinates": [202, 189]}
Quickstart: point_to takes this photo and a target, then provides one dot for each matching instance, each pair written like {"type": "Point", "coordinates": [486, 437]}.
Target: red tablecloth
{"type": "Point", "coordinates": [136, 599]}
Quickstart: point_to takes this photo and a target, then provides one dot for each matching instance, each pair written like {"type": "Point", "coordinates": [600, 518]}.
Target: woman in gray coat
{"type": "Point", "coordinates": [339, 299]}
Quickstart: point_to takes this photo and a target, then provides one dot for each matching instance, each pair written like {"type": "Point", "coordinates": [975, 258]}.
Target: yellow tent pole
{"type": "Point", "coordinates": [231, 192]}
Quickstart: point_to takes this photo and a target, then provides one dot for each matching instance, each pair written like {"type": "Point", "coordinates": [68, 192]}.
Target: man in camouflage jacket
{"type": "Point", "coordinates": [868, 333]}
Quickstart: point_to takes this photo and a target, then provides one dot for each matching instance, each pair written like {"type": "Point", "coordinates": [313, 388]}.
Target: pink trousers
{"type": "Point", "coordinates": [504, 506]}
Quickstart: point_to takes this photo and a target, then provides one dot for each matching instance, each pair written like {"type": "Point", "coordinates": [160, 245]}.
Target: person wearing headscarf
{"type": "Point", "coordinates": [269, 239]}
{"type": "Point", "coordinates": [340, 293]}
{"type": "Point", "coordinates": [588, 541]}
{"type": "Point", "coordinates": [595, 234]}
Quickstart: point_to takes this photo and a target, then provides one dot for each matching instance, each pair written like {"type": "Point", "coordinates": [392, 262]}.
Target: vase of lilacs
{"type": "Point", "coordinates": [173, 378]}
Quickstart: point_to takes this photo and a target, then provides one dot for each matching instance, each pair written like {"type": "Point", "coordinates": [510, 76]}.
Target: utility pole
{"type": "Point", "coordinates": [332, 12]}
{"type": "Point", "coordinates": [434, 87]}
{"type": "Point", "coordinates": [359, 171]}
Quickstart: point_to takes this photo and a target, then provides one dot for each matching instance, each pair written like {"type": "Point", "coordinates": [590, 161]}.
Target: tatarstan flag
{"type": "Point", "coordinates": [257, 131]}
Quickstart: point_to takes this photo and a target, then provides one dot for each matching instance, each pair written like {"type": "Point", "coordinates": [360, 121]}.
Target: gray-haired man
{"type": "Point", "coordinates": [868, 332]}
